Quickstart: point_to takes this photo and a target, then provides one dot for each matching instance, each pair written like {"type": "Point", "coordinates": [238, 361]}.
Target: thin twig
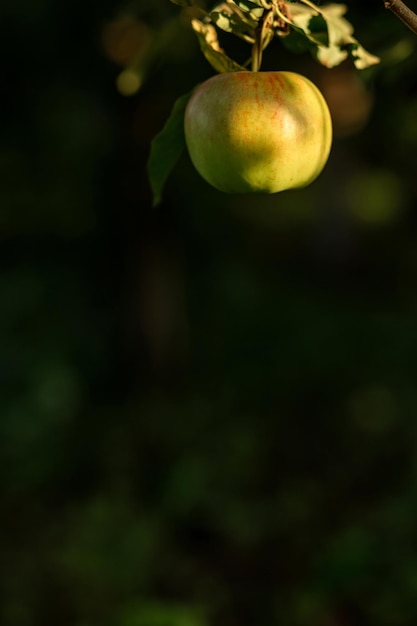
{"type": "Point", "coordinates": [402, 11]}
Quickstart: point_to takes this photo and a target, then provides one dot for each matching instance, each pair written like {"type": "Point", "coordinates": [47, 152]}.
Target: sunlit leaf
{"type": "Point", "coordinates": [166, 148]}
{"type": "Point", "coordinates": [361, 57]}
{"type": "Point", "coordinates": [228, 17]}
{"type": "Point", "coordinates": [341, 34]}
{"type": "Point", "coordinates": [254, 7]}
{"type": "Point", "coordinates": [330, 56]}
{"type": "Point", "coordinates": [330, 32]}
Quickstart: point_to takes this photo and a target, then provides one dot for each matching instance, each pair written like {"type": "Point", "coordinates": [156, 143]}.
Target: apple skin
{"type": "Point", "coordinates": [259, 132]}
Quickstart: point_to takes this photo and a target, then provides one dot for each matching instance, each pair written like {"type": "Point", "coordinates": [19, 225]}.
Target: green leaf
{"type": "Point", "coordinates": [361, 57]}
{"type": "Point", "coordinates": [231, 19]}
{"type": "Point", "coordinates": [210, 47]}
{"type": "Point", "coordinates": [166, 148]}
{"type": "Point", "coordinates": [318, 29]}
{"type": "Point", "coordinates": [330, 32]}
{"type": "Point", "coordinates": [296, 42]}
{"type": "Point", "coordinates": [254, 7]}
{"type": "Point", "coordinates": [341, 35]}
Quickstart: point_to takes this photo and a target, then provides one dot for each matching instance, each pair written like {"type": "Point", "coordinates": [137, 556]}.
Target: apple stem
{"type": "Point", "coordinates": [263, 37]}
{"type": "Point", "coordinates": [403, 12]}
{"type": "Point", "coordinates": [257, 52]}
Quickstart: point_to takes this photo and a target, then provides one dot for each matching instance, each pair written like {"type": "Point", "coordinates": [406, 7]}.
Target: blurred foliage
{"type": "Point", "coordinates": [207, 410]}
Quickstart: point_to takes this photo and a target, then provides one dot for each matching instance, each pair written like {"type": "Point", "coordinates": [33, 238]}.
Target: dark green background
{"type": "Point", "coordinates": [207, 410]}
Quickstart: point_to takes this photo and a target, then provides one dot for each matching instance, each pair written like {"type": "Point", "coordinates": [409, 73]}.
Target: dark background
{"type": "Point", "coordinates": [207, 410]}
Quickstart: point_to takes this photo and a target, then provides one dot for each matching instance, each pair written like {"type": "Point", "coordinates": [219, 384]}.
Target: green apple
{"type": "Point", "coordinates": [258, 131]}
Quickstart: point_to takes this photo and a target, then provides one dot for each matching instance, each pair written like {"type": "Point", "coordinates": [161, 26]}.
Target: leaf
{"type": "Point", "coordinates": [330, 32]}
{"type": "Point", "coordinates": [310, 23]}
{"type": "Point", "coordinates": [296, 42]}
{"type": "Point", "coordinates": [231, 19]}
{"type": "Point", "coordinates": [318, 29]}
{"type": "Point", "coordinates": [253, 7]}
{"type": "Point", "coordinates": [330, 56]}
{"type": "Point", "coordinates": [166, 148]}
{"type": "Point", "coordinates": [361, 57]}
{"type": "Point", "coordinates": [210, 47]}
{"type": "Point", "coordinates": [341, 35]}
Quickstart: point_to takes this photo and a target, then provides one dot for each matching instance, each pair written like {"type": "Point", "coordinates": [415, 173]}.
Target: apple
{"type": "Point", "coordinates": [258, 131]}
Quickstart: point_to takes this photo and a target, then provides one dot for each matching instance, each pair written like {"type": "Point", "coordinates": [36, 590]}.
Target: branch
{"type": "Point", "coordinates": [402, 11]}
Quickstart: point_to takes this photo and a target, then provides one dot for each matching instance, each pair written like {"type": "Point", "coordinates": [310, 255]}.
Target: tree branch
{"type": "Point", "coordinates": [402, 11]}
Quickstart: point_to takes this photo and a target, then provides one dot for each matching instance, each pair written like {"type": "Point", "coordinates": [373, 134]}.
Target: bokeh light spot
{"type": "Point", "coordinates": [129, 82]}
